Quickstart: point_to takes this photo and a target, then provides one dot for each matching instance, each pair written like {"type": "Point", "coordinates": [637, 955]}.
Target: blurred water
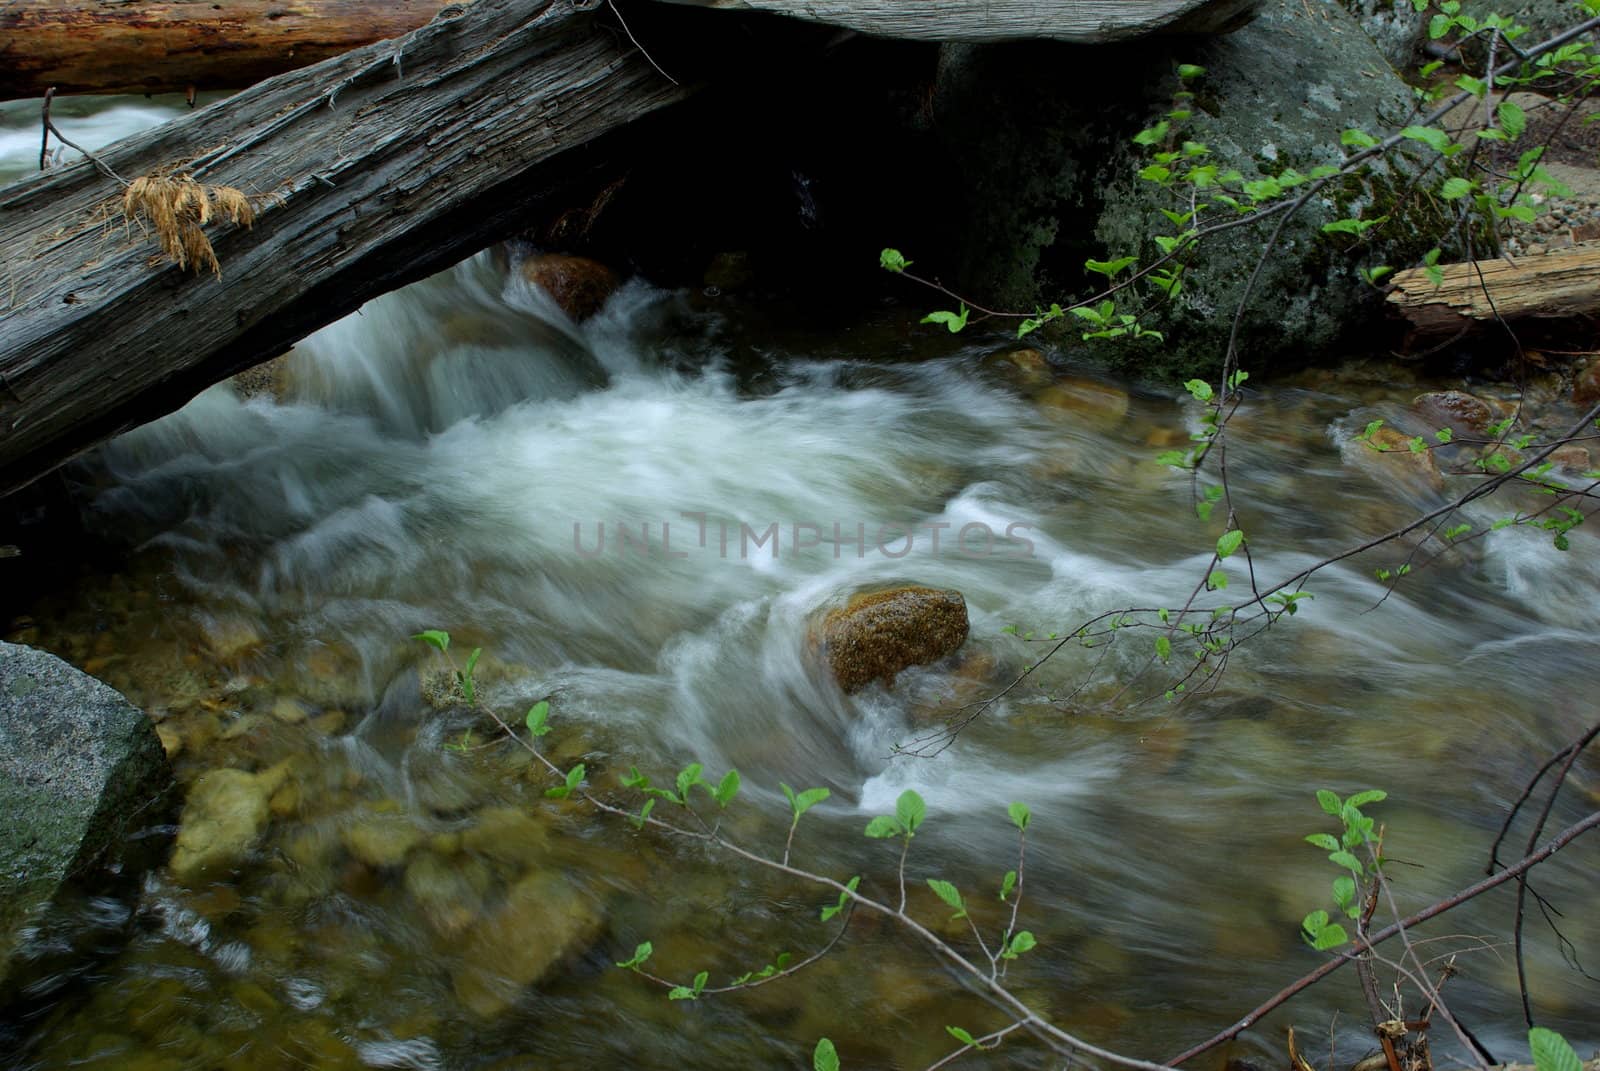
{"type": "Point", "coordinates": [447, 458]}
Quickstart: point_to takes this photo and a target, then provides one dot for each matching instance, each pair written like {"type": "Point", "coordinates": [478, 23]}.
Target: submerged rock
{"type": "Point", "coordinates": [1391, 456]}
{"type": "Point", "coordinates": [83, 782]}
{"type": "Point", "coordinates": [224, 814]}
{"type": "Point", "coordinates": [877, 634]}
{"type": "Point", "coordinates": [543, 921]}
{"type": "Point", "coordinates": [1025, 369]}
{"type": "Point", "coordinates": [1086, 400]}
{"type": "Point", "coordinates": [579, 285]}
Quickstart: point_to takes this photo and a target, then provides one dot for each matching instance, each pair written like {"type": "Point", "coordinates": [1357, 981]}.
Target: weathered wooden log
{"type": "Point", "coordinates": [1563, 284]}
{"type": "Point", "coordinates": [114, 46]}
{"type": "Point", "coordinates": [1083, 21]}
{"type": "Point", "coordinates": [365, 172]}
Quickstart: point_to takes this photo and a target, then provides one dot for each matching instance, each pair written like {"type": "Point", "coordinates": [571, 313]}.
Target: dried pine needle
{"type": "Point", "coordinates": [177, 208]}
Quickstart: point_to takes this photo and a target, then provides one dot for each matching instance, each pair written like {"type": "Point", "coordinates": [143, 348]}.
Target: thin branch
{"type": "Point", "coordinates": [1522, 866]}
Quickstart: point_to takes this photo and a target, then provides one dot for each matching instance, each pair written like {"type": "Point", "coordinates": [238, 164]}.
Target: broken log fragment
{"type": "Point", "coordinates": [1563, 284]}
{"type": "Point", "coordinates": [113, 46]}
{"type": "Point", "coordinates": [1081, 21]}
{"type": "Point", "coordinates": [366, 172]}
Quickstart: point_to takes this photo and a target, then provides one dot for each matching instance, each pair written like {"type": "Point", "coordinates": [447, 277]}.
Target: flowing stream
{"type": "Point", "coordinates": [593, 505]}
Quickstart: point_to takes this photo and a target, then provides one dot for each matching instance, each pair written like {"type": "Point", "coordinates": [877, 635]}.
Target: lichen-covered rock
{"type": "Point", "coordinates": [1543, 18]}
{"type": "Point", "coordinates": [877, 634]}
{"type": "Point", "coordinates": [83, 777]}
{"type": "Point", "coordinates": [580, 286]}
{"type": "Point", "coordinates": [1049, 178]}
{"type": "Point", "coordinates": [1398, 29]}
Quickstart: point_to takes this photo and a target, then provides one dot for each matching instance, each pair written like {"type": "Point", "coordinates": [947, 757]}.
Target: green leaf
{"type": "Point", "coordinates": [833, 909]}
{"type": "Point", "coordinates": [1454, 188]}
{"type": "Point", "coordinates": [1346, 860]}
{"type": "Point", "coordinates": [469, 687]}
{"type": "Point", "coordinates": [1371, 795]}
{"type": "Point", "coordinates": [726, 789]}
{"type": "Point", "coordinates": [824, 1058]}
{"type": "Point", "coordinates": [1351, 226]}
{"type": "Point", "coordinates": [1153, 135]}
{"type": "Point", "coordinates": [538, 715]}
{"type": "Point", "coordinates": [1358, 139]}
{"type": "Point", "coordinates": [1328, 801]}
{"type": "Point", "coordinates": [434, 637]}
{"type": "Point", "coordinates": [805, 801]}
{"type": "Point", "coordinates": [1262, 189]}
{"type": "Point", "coordinates": [1229, 542]}
{"type": "Point", "coordinates": [644, 814]}
{"type": "Point", "coordinates": [891, 260]}
{"type": "Point", "coordinates": [1007, 884]}
{"type": "Point", "coordinates": [1551, 1051]}
{"type": "Point", "coordinates": [962, 1036]}
{"type": "Point", "coordinates": [1217, 580]}
{"type": "Point", "coordinates": [1164, 648]}
{"type": "Point", "coordinates": [1513, 120]}
{"type": "Point", "coordinates": [1431, 136]}
{"type": "Point", "coordinates": [1190, 70]}
{"type": "Point", "coordinates": [1325, 841]}
{"type": "Point", "coordinates": [1022, 942]}
{"type": "Point", "coordinates": [884, 826]}
{"type": "Point", "coordinates": [1200, 389]}
{"type": "Point", "coordinates": [950, 895]}
{"type": "Point", "coordinates": [1109, 268]}
{"type": "Point", "coordinates": [1444, 435]}
{"type": "Point", "coordinates": [640, 954]}
{"type": "Point", "coordinates": [953, 321]}
{"type": "Point", "coordinates": [1320, 934]}
{"type": "Point", "coordinates": [910, 809]}
{"type": "Point", "coordinates": [688, 777]}
{"type": "Point", "coordinates": [679, 992]}
{"type": "Point", "coordinates": [1020, 815]}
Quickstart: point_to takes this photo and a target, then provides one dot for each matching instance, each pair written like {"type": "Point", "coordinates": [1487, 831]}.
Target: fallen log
{"type": "Point", "coordinates": [364, 173]}
{"type": "Point", "coordinates": [1081, 21]}
{"type": "Point", "coordinates": [112, 46]}
{"type": "Point", "coordinates": [146, 46]}
{"type": "Point", "coordinates": [1563, 284]}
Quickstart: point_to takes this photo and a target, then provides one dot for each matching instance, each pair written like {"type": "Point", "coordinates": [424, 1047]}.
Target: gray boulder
{"type": "Point", "coordinates": [1543, 18]}
{"type": "Point", "coordinates": [1043, 138]}
{"type": "Point", "coordinates": [83, 783]}
{"type": "Point", "coordinates": [1395, 26]}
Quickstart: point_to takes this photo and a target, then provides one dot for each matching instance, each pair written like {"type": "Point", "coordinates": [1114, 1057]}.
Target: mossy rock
{"type": "Point", "coordinates": [878, 634]}
{"type": "Point", "coordinates": [1042, 138]}
{"type": "Point", "coordinates": [83, 783]}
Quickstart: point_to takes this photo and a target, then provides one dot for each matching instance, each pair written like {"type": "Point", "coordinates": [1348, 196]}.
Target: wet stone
{"type": "Point", "coordinates": [877, 634]}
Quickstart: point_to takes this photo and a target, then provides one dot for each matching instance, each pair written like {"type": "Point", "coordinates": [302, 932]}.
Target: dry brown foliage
{"type": "Point", "coordinates": [177, 208]}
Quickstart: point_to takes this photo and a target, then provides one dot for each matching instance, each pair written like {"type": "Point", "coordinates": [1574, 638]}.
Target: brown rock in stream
{"type": "Point", "coordinates": [579, 285]}
{"type": "Point", "coordinates": [1459, 411]}
{"type": "Point", "coordinates": [877, 634]}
